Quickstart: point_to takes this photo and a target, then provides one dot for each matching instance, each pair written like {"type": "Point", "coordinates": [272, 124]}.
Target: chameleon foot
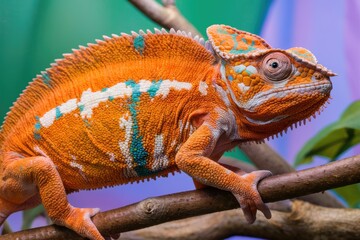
{"type": "Point", "coordinates": [250, 200]}
{"type": "Point", "coordinates": [80, 221]}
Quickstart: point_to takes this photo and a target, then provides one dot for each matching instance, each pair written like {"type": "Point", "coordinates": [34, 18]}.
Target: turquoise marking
{"type": "Point", "coordinates": [241, 51]}
{"type": "Point", "coordinates": [154, 87]}
{"type": "Point", "coordinates": [58, 114]}
{"type": "Point", "coordinates": [111, 98]}
{"type": "Point", "coordinates": [46, 78]}
{"type": "Point", "coordinates": [251, 70]}
{"type": "Point", "coordinates": [234, 50]}
{"type": "Point", "coordinates": [104, 89]}
{"type": "Point", "coordinates": [230, 78]}
{"type": "Point", "coordinates": [139, 44]}
{"type": "Point", "coordinates": [239, 68]}
{"type": "Point", "coordinates": [221, 31]}
{"type": "Point", "coordinates": [37, 127]}
{"type": "Point", "coordinates": [37, 136]}
{"type": "Point", "coordinates": [308, 56]}
{"type": "Point", "coordinates": [81, 107]}
{"type": "Point", "coordinates": [137, 149]}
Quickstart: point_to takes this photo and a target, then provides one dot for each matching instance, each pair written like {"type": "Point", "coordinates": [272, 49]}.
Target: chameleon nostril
{"type": "Point", "coordinates": [318, 76]}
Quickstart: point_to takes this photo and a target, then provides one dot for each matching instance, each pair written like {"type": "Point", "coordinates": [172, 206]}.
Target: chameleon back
{"type": "Point", "coordinates": [111, 106]}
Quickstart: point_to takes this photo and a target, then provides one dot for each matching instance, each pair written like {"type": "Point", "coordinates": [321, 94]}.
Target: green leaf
{"type": "Point", "coordinates": [334, 139]}
{"type": "Point", "coordinates": [350, 194]}
{"type": "Point", "coordinates": [30, 215]}
{"type": "Point", "coordinates": [238, 154]}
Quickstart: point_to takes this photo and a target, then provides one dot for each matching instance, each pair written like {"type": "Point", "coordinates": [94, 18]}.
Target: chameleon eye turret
{"type": "Point", "coordinates": [140, 106]}
{"type": "Point", "coordinates": [276, 66]}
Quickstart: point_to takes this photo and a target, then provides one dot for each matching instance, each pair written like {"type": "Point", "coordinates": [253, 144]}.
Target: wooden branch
{"type": "Point", "coordinates": [167, 16]}
{"type": "Point", "coordinates": [264, 157]}
{"type": "Point", "coordinates": [305, 221]}
{"type": "Point", "coordinates": [158, 210]}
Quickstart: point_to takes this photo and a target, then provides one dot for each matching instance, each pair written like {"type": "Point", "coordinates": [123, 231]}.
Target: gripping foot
{"type": "Point", "coordinates": [250, 199]}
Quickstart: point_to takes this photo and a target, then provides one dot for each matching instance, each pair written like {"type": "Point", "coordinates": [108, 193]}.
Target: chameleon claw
{"type": "Point", "coordinates": [250, 201]}
{"type": "Point", "coordinates": [80, 221]}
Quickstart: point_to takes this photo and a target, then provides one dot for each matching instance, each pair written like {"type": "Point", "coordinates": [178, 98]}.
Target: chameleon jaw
{"type": "Point", "coordinates": [297, 123]}
{"type": "Point", "coordinates": [321, 87]}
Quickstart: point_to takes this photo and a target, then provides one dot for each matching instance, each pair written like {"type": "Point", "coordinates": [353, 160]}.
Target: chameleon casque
{"type": "Point", "coordinates": [137, 106]}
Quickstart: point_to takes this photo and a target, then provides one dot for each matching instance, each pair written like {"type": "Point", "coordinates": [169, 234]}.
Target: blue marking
{"type": "Point", "coordinates": [239, 68]}
{"type": "Point", "coordinates": [37, 126]}
{"type": "Point", "coordinates": [46, 78]}
{"type": "Point", "coordinates": [87, 123]}
{"type": "Point", "coordinates": [81, 107]}
{"type": "Point", "coordinates": [104, 89]}
{"type": "Point", "coordinates": [37, 136]}
{"type": "Point", "coordinates": [230, 78]}
{"type": "Point", "coordinates": [58, 113]}
{"type": "Point", "coordinates": [111, 98]}
{"type": "Point", "coordinates": [154, 87]}
{"type": "Point", "coordinates": [221, 31]}
{"type": "Point", "coordinates": [137, 149]}
{"type": "Point", "coordinates": [139, 44]}
{"type": "Point", "coordinates": [241, 51]}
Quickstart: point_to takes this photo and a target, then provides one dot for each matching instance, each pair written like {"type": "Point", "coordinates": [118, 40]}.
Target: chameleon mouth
{"type": "Point", "coordinates": [311, 107]}
{"type": "Point", "coordinates": [293, 125]}
{"type": "Point", "coordinates": [321, 87]}
{"type": "Point", "coordinates": [301, 122]}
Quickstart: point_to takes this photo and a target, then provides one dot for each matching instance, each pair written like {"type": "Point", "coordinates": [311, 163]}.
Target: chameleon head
{"type": "Point", "coordinates": [270, 88]}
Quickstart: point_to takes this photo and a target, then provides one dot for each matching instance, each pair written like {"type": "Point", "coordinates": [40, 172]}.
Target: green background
{"type": "Point", "coordinates": [35, 32]}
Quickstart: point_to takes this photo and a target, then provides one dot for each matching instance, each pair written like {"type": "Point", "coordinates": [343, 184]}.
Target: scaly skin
{"type": "Point", "coordinates": [140, 106]}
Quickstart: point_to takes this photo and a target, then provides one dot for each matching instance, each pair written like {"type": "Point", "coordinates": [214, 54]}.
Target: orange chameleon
{"type": "Point", "coordinates": [138, 106]}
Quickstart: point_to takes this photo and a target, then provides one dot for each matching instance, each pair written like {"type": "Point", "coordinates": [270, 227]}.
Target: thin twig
{"type": "Point", "coordinates": [167, 16]}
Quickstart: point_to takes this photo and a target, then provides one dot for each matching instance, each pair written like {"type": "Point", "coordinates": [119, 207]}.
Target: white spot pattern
{"type": "Point", "coordinates": [243, 87]}
{"type": "Point", "coordinates": [203, 88]}
{"type": "Point", "coordinates": [161, 161]}
{"type": "Point", "coordinates": [167, 85]}
{"type": "Point", "coordinates": [126, 124]}
{"type": "Point", "coordinates": [90, 100]}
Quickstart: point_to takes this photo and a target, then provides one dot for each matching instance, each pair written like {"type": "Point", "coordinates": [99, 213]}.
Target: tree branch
{"type": "Point", "coordinates": [167, 15]}
{"type": "Point", "coordinates": [291, 225]}
{"type": "Point", "coordinates": [162, 209]}
{"type": "Point", "coordinates": [264, 157]}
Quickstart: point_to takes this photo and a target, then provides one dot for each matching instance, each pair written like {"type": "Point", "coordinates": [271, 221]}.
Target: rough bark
{"type": "Point", "coordinates": [264, 157]}
{"type": "Point", "coordinates": [162, 209]}
{"type": "Point", "coordinates": [304, 221]}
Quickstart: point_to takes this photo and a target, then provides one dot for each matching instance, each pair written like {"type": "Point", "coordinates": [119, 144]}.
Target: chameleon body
{"type": "Point", "coordinates": [138, 106]}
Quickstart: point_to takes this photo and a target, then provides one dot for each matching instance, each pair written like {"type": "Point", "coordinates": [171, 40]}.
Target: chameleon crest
{"type": "Point", "coordinates": [139, 106]}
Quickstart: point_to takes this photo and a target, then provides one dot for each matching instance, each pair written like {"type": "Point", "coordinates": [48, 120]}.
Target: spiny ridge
{"type": "Point", "coordinates": [85, 59]}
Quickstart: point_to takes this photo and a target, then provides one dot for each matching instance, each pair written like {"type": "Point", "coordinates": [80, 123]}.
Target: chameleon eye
{"type": "Point", "coordinates": [276, 66]}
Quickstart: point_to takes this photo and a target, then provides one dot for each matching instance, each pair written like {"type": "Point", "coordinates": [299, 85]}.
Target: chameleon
{"type": "Point", "coordinates": [140, 106]}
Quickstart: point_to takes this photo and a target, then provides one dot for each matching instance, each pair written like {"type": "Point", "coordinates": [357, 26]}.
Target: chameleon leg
{"type": "Point", "coordinates": [20, 181]}
{"type": "Point", "coordinates": [192, 159]}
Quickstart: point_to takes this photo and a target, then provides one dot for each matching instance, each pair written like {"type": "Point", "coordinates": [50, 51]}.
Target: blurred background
{"type": "Point", "coordinates": [35, 32]}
